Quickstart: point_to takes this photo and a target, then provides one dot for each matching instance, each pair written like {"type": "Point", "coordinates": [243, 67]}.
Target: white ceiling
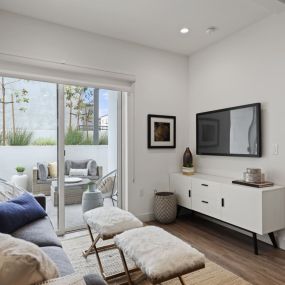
{"type": "Point", "coordinates": [154, 23]}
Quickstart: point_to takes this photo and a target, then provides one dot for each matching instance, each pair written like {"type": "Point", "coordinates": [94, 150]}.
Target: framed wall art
{"type": "Point", "coordinates": [161, 131]}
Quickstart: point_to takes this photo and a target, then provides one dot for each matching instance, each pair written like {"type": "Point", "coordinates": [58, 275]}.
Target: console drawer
{"type": "Point", "coordinates": [205, 198]}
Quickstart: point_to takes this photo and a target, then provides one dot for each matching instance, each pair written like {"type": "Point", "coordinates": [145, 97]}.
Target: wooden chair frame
{"type": "Point", "coordinates": [95, 249]}
{"type": "Point", "coordinates": [155, 281]}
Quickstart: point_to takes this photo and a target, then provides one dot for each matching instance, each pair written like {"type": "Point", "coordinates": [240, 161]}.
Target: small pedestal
{"type": "Point", "coordinates": [91, 200]}
{"type": "Point", "coordinates": [20, 180]}
{"type": "Point", "coordinates": [188, 170]}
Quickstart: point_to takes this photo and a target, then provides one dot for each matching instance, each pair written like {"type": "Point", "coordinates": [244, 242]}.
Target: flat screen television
{"type": "Point", "coordinates": [233, 131]}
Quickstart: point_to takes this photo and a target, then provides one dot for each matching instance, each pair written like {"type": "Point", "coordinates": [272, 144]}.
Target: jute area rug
{"type": "Point", "coordinates": [212, 274]}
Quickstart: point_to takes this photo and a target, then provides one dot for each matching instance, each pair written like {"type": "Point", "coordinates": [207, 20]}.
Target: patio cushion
{"type": "Point", "coordinates": [58, 256]}
{"type": "Point", "coordinates": [42, 171]}
{"type": "Point", "coordinates": [90, 164]}
{"type": "Point", "coordinates": [40, 232]}
{"type": "Point", "coordinates": [92, 167]}
{"type": "Point", "coordinates": [78, 172]}
{"type": "Point", "coordinates": [52, 168]}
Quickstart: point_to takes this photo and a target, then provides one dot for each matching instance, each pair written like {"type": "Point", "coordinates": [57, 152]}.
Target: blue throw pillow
{"type": "Point", "coordinates": [18, 212]}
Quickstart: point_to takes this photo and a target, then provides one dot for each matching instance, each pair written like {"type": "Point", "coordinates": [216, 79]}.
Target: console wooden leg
{"type": "Point", "coordinates": [255, 245]}
{"type": "Point", "coordinates": [273, 240]}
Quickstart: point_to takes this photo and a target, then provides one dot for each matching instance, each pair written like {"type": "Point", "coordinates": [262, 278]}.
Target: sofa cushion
{"type": "Point", "coordinates": [42, 171]}
{"type": "Point", "coordinates": [94, 279]}
{"type": "Point", "coordinates": [23, 263]}
{"type": "Point", "coordinates": [18, 212]}
{"type": "Point", "coordinates": [72, 279]}
{"type": "Point", "coordinates": [58, 256]}
{"type": "Point", "coordinates": [39, 232]}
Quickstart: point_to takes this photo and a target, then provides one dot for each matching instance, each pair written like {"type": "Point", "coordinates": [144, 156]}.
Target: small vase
{"type": "Point", "coordinates": [187, 158]}
{"type": "Point", "coordinates": [188, 168]}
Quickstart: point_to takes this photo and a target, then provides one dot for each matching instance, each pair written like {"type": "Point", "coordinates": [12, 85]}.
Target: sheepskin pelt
{"type": "Point", "coordinates": [158, 253]}
{"type": "Point", "coordinates": [108, 221]}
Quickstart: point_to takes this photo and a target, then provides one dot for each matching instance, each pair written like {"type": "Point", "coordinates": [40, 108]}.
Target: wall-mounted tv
{"type": "Point", "coordinates": [233, 131]}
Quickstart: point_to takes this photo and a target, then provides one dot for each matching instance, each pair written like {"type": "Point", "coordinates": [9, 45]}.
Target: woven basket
{"type": "Point", "coordinates": [165, 207]}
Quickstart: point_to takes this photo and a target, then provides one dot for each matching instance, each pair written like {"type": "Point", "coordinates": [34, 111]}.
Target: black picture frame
{"type": "Point", "coordinates": [169, 122]}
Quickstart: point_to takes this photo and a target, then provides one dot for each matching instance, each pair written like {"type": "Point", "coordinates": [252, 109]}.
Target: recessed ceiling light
{"type": "Point", "coordinates": [211, 30]}
{"type": "Point", "coordinates": [184, 30]}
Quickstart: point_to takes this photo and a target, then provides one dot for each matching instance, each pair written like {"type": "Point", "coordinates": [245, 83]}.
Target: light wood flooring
{"type": "Point", "coordinates": [231, 250]}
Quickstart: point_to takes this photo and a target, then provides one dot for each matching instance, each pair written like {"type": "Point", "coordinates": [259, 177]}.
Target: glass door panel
{"type": "Point", "coordinates": [90, 149]}
{"type": "Point", "coordinates": [28, 136]}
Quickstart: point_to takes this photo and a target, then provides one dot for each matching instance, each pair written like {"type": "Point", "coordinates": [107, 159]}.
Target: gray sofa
{"type": "Point", "coordinates": [41, 233]}
{"type": "Point", "coordinates": [39, 186]}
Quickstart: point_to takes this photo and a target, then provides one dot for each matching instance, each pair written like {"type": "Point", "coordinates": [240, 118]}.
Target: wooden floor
{"type": "Point", "coordinates": [231, 250]}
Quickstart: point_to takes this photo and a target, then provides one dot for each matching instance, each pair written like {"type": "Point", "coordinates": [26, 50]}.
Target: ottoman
{"type": "Point", "coordinates": [107, 222]}
{"type": "Point", "coordinates": [158, 254]}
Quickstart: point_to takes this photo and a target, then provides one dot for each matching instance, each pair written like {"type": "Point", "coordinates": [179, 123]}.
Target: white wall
{"type": "Point", "coordinates": [245, 68]}
{"type": "Point", "coordinates": [161, 88]}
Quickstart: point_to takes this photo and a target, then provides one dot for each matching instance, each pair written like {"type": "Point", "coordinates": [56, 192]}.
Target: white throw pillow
{"type": "Point", "coordinates": [78, 172]}
{"type": "Point", "coordinates": [73, 279]}
{"type": "Point", "coordinates": [23, 263]}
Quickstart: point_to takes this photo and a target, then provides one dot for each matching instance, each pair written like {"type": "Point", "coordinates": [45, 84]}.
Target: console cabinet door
{"type": "Point", "coordinates": [242, 207]}
{"type": "Point", "coordinates": [181, 185]}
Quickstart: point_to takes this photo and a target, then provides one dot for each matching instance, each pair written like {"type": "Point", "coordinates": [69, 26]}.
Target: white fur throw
{"type": "Point", "coordinates": [159, 254]}
{"type": "Point", "coordinates": [23, 263]}
{"type": "Point", "coordinates": [108, 221]}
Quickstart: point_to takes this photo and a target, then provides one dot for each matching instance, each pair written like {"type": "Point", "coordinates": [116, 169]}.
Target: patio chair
{"type": "Point", "coordinates": [107, 186]}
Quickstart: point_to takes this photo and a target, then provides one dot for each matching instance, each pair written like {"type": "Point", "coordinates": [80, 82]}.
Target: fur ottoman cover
{"type": "Point", "coordinates": [108, 221]}
{"type": "Point", "coordinates": [159, 254]}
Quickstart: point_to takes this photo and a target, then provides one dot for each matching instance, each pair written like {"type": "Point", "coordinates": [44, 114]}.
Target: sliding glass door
{"type": "Point", "coordinates": [67, 138]}
{"type": "Point", "coordinates": [91, 150]}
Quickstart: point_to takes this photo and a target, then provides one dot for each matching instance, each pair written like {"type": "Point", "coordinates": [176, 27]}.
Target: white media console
{"type": "Point", "coordinates": [257, 210]}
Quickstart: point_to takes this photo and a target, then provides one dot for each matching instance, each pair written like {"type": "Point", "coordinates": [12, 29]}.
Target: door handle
{"type": "Point", "coordinates": [205, 202]}
{"type": "Point", "coordinates": [189, 193]}
{"type": "Point", "coordinates": [223, 202]}
{"type": "Point", "coordinates": [203, 184]}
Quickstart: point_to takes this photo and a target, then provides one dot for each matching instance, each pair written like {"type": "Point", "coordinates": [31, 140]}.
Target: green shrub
{"type": "Point", "coordinates": [20, 137]}
{"type": "Point", "coordinates": [74, 137]}
{"type": "Point", "coordinates": [103, 138]}
{"type": "Point", "coordinates": [20, 169]}
{"type": "Point", "coordinates": [87, 141]}
{"type": "Point", "coordinates": [44, 141]}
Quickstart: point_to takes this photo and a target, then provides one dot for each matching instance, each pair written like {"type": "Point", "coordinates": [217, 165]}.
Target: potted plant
{"type": "Point", "coordinates": [20, 170]}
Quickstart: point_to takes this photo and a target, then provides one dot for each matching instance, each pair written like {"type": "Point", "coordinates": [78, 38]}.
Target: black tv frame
{"type": "Point", "coordinates": [259, 140]}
